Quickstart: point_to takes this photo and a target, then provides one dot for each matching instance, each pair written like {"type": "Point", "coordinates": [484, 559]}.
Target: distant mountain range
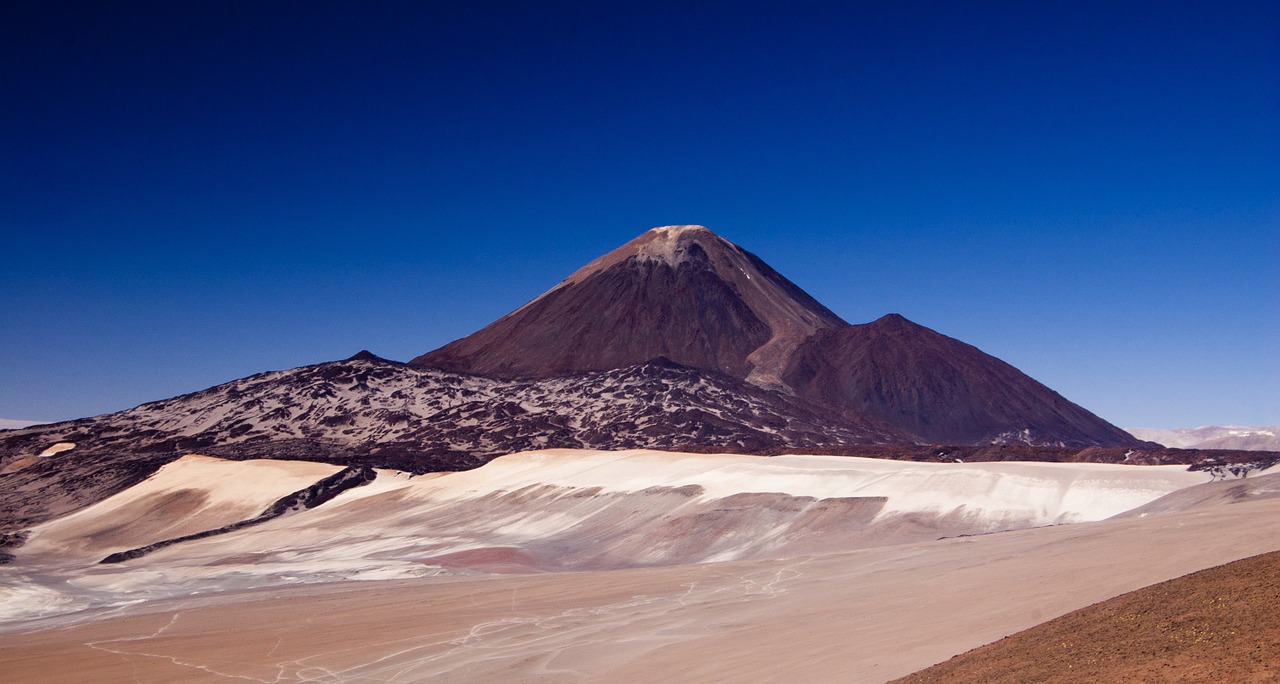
{"type": "Point", "coordinates": [1214, 437]}
{"type": "Point", "coordinates": [11, 424]}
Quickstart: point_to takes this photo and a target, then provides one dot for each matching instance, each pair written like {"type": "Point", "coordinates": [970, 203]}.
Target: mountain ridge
{"type": "Point", "coordinates": [939, 389]}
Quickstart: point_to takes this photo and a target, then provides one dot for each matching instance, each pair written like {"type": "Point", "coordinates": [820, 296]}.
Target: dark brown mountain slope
{"type": "Point", "coordinates": [679, 292]}
{"type": "Point", "coordinates": [939, 389]}
{"type": "Point", "coordinates": [1216, 625]}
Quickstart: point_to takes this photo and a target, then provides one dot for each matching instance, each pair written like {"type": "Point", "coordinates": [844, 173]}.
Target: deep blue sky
{"type": "Point", "coordinates": [192, 192]}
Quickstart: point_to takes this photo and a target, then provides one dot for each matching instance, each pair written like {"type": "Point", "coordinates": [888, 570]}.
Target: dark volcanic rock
{"type": "Point", "coordinates": [377, 413]}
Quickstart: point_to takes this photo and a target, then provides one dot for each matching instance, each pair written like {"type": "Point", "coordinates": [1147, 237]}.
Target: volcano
{"type": "Point", "coordinates": [686, 294]}
{"type": "Point", "coordinates": [678, 292]}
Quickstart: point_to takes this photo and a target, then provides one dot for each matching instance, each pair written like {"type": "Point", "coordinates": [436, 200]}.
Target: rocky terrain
{"type": "Point", "coordinates": [371, 412]}
{"type": "Point", "coordinates": [368, 411]}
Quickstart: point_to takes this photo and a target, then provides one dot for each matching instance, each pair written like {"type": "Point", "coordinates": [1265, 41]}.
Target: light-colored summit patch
{"type": "Point", "coordinates": [668, 244]}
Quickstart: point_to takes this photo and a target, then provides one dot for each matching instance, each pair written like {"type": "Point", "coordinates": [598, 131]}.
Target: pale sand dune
{"type": "Point", "coordinates": [1211, 494]}
{"type": "Point", "coordinates": [864, 616]}
{"type": "Point", "coordinates": [1088, 491]}
{"type": "Point", "coordinates": [568, 510]}
{"type": "Point", "coordinates": [192, 494]}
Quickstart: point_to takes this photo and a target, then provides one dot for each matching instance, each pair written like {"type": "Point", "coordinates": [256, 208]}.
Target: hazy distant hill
{"type": "Point", "coordinates": [1214, 437]}
{"type": "Point", "coordinates": [11, 424]}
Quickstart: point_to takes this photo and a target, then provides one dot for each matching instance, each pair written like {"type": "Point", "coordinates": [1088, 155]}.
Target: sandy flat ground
{"type": "Point", "coordinates": [862, 616]}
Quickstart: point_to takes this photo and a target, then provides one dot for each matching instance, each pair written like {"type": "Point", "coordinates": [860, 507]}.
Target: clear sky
{"type": "Point", "coordinates": [192, 192]}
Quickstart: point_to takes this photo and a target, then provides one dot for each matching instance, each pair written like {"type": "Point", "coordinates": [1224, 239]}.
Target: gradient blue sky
{"type": "Point", "coordinates": [194, 192]}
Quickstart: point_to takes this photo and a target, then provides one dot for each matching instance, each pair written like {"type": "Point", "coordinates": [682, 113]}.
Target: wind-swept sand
{"type": "Point", "coordinates": [903, 600]}
{"type": "Point", "coordinates": [192, 494]}
{"type": "Point", "coordinates": [573, 510]}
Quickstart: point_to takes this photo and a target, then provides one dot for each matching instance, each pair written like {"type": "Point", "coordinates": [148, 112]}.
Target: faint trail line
{"type": "Point", "coordinates": [510, 637]}
{"type": "Point", "coordinates": [474, 651]}
{"type": "Point", "coordinates": [98, 645]}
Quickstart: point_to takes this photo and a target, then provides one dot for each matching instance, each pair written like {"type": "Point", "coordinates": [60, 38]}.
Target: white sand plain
{"type": "Point", "coordinates": [834, 570]}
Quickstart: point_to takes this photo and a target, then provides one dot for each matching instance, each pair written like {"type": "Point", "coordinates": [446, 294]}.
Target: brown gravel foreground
{"type": "Point", "coordinates": [1216, 625]}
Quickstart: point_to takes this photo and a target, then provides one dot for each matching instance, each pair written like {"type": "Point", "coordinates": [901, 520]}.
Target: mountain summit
{"type": "Point", "coordinates": [686, 294]}
{"type": "Point", "coordinates": [679, 292]}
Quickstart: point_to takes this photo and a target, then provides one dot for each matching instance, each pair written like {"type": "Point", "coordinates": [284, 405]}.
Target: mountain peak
{"type": "Point", "coordinates": [894, 321]}
{"type": "Point", "coordinates": [667, 244]}
{"type": "Point", "coordinates": [678, 291]}
{"type": "Point", "coordinates": [680, 230]}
